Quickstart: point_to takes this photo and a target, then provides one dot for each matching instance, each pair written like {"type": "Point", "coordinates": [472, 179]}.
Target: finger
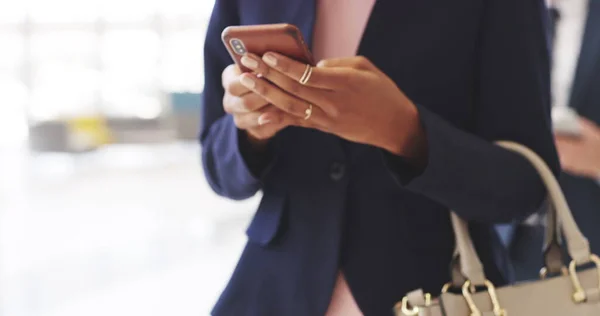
{"type": "Point", "coordinates": [269, 115]}
{"type": "Point", "coordinates": [247, 103]}
{"type": "Point", "coordinates": [231, 81]}
{"type": "Point", "coordinates": [283, 100]}
{"type": "Point", "coordinates": [319, 77]}
{"type": "Point", "coordinates": [271, 128]}
{"type": "Point", "coordinates": [289, 85]}
{"type": "Point", "coordinates": [357, 62]}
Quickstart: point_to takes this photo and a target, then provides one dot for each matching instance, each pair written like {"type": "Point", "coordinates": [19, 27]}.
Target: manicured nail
{"type": "Point", "coordinates": [270, 60]}
{"type": "Point", "coordinates": [248, 82]}
{"type": "Point", "coordinates": [249, 62]}
{"type": "Point", "coordinates": [264, 119]}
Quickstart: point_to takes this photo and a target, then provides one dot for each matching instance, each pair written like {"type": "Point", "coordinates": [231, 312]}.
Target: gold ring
{"type": "Point", "coordinates": [308, 112]}
{"type": "Point", "coordinates": [306, 76]}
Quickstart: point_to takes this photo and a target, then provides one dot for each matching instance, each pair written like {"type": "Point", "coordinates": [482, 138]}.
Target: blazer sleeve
{"type": "Point", "coordinates": [230, 165]}
{"type": "Point", "coordinates": [465, 171]}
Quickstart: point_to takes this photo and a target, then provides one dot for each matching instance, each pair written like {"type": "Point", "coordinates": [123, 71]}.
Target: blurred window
{"type": "Point", "coordinates": [12, 100]}
{"type": "Point", "coordinates": [111, 57]}
{"type": "Point", "coordinates": [130, 11]}
{"type": "Point", "coordinates": [63, 11]}
{"type": "Point", "coordinates": [12, 11]}
{"type": "Point", "coordinates": [182, 66]}
{"type": "Point", "coordinates": [73, 46]}
{"type": "Point", "coordinates": [62, 90]}
{"type": "Point", "coordinates": [11, 54]}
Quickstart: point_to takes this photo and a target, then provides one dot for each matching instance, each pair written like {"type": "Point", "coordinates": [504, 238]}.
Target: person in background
{"type": "Point", "coordinates": [575, 29]}
{"type": "Point", "coordinates": [360, 164]}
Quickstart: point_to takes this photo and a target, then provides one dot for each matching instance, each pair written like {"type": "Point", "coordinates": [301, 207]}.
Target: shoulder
{"type": "Point", "coordinates": [225, 9]}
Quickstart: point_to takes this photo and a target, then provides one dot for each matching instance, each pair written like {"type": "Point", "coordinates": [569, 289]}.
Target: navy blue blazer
{"type": "Point", "coordinates": [582, 194]}
{"type": "Point", "coordinates": [478, 72]}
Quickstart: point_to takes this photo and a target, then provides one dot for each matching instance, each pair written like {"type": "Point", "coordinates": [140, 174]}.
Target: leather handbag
{"type": "Point", "coordinates": [561, 291]}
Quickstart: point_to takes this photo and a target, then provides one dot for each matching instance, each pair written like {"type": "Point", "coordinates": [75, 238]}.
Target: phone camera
{"type": "Point", "coordinates": [238, 46]}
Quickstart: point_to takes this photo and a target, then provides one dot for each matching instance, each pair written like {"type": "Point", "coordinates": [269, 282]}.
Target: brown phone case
{"type": "Point", "coordinates": [285, 39]}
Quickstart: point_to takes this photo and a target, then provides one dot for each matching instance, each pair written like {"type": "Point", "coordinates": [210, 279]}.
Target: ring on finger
{"type": "Point", "coordinates": [308, 112]}
{"type": "Point", "coordinates": [306, 76]}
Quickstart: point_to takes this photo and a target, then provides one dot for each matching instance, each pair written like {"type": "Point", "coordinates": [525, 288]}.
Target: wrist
{"type": "Point", "coordinates": [257, 144]}
{"type": "Point", "coordinates": [407, 136]}
{"type": "Point", "coordinates": [256, 152]}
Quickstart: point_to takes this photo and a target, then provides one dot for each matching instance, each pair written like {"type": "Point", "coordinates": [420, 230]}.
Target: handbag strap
{"type": "Point", "coordinates": [468, 262]}
{"type": "Point", "coordinates": [577, 245]}
{"type": "Point", "coordinates": [553, 255]}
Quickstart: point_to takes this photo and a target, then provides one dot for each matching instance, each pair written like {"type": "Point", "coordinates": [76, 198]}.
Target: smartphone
{"type": "Point", "coordinates": [285, 39]}
{"type": "Point", "coordinates": [565, 121]}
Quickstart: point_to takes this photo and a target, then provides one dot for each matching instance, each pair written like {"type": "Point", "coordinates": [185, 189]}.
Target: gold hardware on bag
{"type": "Point", "coordinates": [498, 311]}
{"type": "Point", "coordinates": [579, 295]}
{"type": "Point", "coordinates": [408, 311]}
{"type": "Point", "coordinates": [544, 272]}
{"type": "Point", "coordinates": [446, 287]}
{"type": "Point", "coordinates": [412, 311]}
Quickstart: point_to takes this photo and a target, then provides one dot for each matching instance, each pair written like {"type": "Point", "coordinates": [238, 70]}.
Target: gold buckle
{"type": "Point", "coordinates": [412, 311]}
{"type": "Point", "coordinates": [498, 311]}
{"type": "Point", "coordinates": [579, 295]}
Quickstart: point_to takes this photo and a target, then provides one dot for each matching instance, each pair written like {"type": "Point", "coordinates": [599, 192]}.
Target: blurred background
{"type": "Point", "coordinates": [103, 206]}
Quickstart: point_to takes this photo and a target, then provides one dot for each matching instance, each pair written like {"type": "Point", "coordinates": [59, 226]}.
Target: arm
{"type": "Point", "coordinates": [464, 171]}
{"type": "Point", "coordinates": [231, 165]}
{"type": "Point", "coordinates": [460, 169]}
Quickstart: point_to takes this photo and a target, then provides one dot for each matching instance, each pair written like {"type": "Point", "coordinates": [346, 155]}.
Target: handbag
{"type": "Point", "coordinates": [561, 291]}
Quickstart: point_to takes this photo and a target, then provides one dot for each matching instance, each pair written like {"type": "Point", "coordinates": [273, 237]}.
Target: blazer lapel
{"type": "Point", "coordinates": [589, 58]}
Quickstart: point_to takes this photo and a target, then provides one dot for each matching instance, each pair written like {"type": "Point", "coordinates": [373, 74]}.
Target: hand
{"type": "Point", "coordinates": [251, 112]}
{"type": "Point", "coordinates": [350, 96]}
{"type": "Point", "coordinates": [581, 156]}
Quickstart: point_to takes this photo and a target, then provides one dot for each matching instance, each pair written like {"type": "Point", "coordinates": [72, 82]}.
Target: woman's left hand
{"type": "Point", "coordinates": [350, 97]}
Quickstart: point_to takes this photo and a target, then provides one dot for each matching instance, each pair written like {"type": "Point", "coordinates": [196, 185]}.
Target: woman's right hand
{"type": "Point", "coordinates": [251, 112]}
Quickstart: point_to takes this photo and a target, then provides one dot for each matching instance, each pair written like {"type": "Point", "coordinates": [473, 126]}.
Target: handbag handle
{"type": "Point", "coordinates": [552, 250]}
{"type": "Point", "coordinates": [577, 245]}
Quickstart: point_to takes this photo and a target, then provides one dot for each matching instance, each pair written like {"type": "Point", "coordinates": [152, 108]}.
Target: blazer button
{"type": "Point", "coordinates": [337, 171]}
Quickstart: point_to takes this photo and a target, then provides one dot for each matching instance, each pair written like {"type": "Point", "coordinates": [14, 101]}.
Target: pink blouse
{"type": "Point", "coordinates": [338, 31]}
{"type": "Point", "coordinates": [339, 27]}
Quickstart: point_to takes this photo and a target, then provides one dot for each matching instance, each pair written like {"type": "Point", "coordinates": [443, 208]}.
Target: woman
{"type": "Point", "coordinates": [360, 165]}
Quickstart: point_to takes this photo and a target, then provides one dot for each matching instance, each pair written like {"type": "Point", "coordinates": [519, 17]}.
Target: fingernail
{"type": "Point", "coordinates": [264, 119]}
{"type": "Point", "coordinates": [248, 82]}
{"type": "Point", "coordinates": [270, 60]}
{"type": "Point", "coordinates": [249, 62]}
